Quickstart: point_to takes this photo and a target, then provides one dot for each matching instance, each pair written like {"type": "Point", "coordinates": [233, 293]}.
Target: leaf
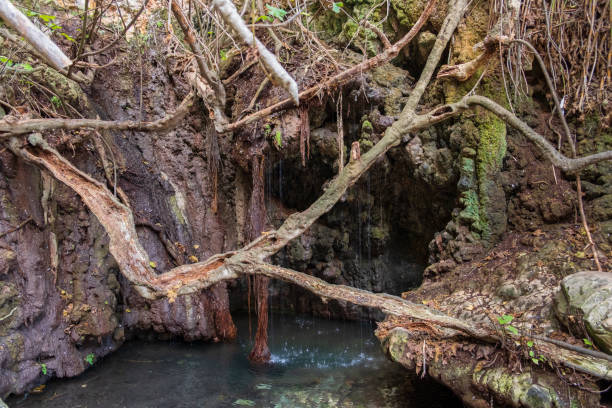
{"type": "Point", "coordinates": [152, 264]}
{"type": "Point", "coordinates": [26, 67]}
{"type": "Point", "coordinates": [223, 55]}
{"type": "Point", "coordinates": [69, 38]}
{"type": "Point", "coordinates": [90, 358]}
{"type": "Point", "coordinates": [512, 330]}
{"type": "Point", "coordinates": [278, 139]}
{"type": "Point", "coordinates": [46, 18]}
{"type": "Point", "coordinates": [535, 361]}
{"type": "Point", "coordinates": [8, 62]}
{"type": "Point", "coordinates": [531, 353]}
{"type": "Point", "coordinates": [530, 343]}
{"type": "Point", "coordinates": [276, 12]}
{"type": "Point", "coordinates": [505, 319]}
{"type": "Point", "coordinates": [43, 368]}
{"type": "Point", "coordinates": [587, 342]}
{"type": "Point", "coordinates": [193, 258]}
{"type": "Point", "coordinates": [337, 6]}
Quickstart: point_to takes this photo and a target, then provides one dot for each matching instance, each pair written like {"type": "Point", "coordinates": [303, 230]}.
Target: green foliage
{"type": "Point", "coordinates": [56, 101]}
{"type": "Point", "coordinates": [276, 12]}
{"type": "Point", "coordinates": [90, 358]}
{"type": "Point", "coordinates": [223, 55]}
{"type": "Point", "coordinates": [6, 61]}
{"type": "Point", "coordinates": [587, 342]}
{"type": "Point", "coordinates": [10, 63]}
{"type": "Point", "coordinates": [43, 368]}
{"type": "Point", "coordinates": [278, 139]}
{"type": "Point", "coordinates": [505, 321]}
{"type": "Point", "coordinates": [49, 21]}
{"type": "Point", "coordinates": [337, 6]}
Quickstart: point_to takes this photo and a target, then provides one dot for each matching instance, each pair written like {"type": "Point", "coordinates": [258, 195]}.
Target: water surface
{"type": "Point", "coordinates": [315, 363]}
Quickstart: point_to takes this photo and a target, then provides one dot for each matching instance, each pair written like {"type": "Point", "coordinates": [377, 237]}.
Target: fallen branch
{"type": "Point", "coordinates": [39, 40]}
{"type": "Point", "coordinates": [133, 261]}
{"type": "Point", "coordinates": [279, 75]}
{"type": "Point", "coordinates": [343, 77]}
{"type": "Point", "coordinates": [10, 128]}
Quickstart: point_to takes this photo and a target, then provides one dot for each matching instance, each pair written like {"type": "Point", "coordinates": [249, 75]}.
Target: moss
{"type": "Point", "coordinates": [467, 165]}
{"type": "Point", "coordinates": [379, 233]}
{"type": "Point", "coordinates": [366, 126]}
{"type": "Point", "coordinates": [408, 11]}
{"type": "Point", "coordinates": [471, 213]}
{"type": "Point", "coordinates": [491, 152]}
{"type": "Point", "coordinates": [365, 145]}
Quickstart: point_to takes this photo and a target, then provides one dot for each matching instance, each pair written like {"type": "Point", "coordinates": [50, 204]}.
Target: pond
{"type": "Point", "coordinates": [315, 363]}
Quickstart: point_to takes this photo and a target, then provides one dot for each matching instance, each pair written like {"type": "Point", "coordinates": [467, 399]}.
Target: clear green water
{"type": "Point", "coordinates": [315, 363]}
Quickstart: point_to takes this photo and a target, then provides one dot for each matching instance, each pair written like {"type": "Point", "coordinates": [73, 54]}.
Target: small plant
{"type": "Point", "coordinates": [90, 358]}
{"type": "Point", "coordinates": [588, 343]}
{"type": "Point", "coordinates": [223, 55]}
{"type": "Point", "coordinates": [56, 101]}
{"type": "Point", "coordinates": [10, 63]}
{"type": "Point", "coordinates": [337, 6]}
{"type": "Point", "coordinates": [267, 129]}
{"type": "Point", "coordinates": [276, 12]}
{"type": "Point", "coordinates": [43, 368]}
{"type": "Point", "coordinates": [536, 359]}
{"type": "Point", "coordinates": [505, 321]}
{"type": "Point", "coordinates": [278, 139]}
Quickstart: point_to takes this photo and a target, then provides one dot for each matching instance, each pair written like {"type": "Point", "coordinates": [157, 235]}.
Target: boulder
{"type": "Point", "coordinates": [585, 300]}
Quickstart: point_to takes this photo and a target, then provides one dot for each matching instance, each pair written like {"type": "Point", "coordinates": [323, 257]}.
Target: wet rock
{"type": "Point", "coordinates": [587, 297]}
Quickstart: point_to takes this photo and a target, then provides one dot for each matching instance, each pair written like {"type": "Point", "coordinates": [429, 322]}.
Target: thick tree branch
{"type": "Point", "coordinates": [39, 40]}
{"type": "Point", "coordinates": [569, 165]}
{"type": "Point", "coordinates": [13, 128]}
{"type": "Point", "coordinates": [279, 75]}
{"type": "Point", "coordinates": [133, 261]}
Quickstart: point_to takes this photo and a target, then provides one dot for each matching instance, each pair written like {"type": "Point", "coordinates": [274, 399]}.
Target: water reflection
{"type": "Point", "coordinates": [315, 363]}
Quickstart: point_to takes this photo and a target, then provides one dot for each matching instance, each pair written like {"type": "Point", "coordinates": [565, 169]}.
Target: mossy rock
{"type": "Point", "coordinates": [588, 295]}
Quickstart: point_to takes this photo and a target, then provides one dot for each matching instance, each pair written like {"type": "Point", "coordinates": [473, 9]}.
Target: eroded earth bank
{"type": "Point", "coordinates": [467, 217]}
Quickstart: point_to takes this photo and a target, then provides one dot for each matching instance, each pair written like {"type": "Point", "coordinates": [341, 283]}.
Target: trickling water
{"type": "Point", "coordinates": [312, 365]}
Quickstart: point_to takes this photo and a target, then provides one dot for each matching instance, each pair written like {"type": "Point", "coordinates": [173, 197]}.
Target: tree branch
{"type": "Point", "coordinates": [10, 128]}
{"type": "Point", "coordinates": [209, 75]}
{"type": "Point", "coordinates": [566, 164]}
{"type": "Point", "coordinates": [133, 262]}
{"type": "Point", "coordinates": [119, 37]}
{"type": "Point", "coordinates": [39, 40]}
{"type": "Point", "coordinates": [345, 76]}
{"type": "Point", "coordinates": [279, 75]}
